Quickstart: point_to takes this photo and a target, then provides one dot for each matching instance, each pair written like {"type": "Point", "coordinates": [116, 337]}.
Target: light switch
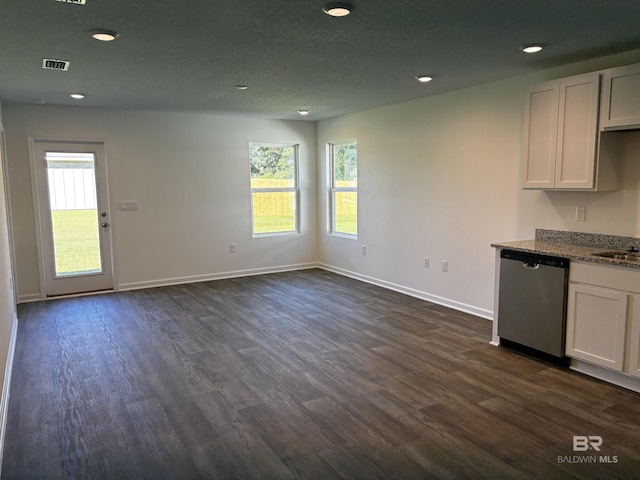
{"type": "Point", "coordinates": [128, 205]}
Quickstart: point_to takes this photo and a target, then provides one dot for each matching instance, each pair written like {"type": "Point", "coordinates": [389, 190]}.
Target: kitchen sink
{"type": "Point", "coordinates": [632, 257]}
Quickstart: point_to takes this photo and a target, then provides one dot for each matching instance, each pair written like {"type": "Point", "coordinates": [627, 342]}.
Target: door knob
{"type": "Point", "coordinates": [105, 224]}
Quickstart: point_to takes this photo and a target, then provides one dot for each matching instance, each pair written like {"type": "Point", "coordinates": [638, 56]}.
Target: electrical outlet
{"type": "Point", "coordinates": [363, 249]}
{"type": "Point", "coordinates": [426, 263]}
{"type": "Point", "coordinates": [445, 266]}
{"type": "Point", "coordinates": [580, 214]}
{"type": "Point", "coordinates": [232, 248]}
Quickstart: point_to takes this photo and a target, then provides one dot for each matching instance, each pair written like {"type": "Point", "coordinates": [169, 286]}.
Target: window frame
{"type": "Point", "coordinates": [333, 189]}
{"type": "Point", "coordinates": [295, 189]}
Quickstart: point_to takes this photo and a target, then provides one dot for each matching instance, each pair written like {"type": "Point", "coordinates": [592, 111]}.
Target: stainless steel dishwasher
{"type": "Point", "coordinates": [532, 304]}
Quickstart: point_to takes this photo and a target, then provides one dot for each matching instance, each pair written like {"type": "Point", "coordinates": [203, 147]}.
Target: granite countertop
{"type": "Point", "coordinates": [561, 244]}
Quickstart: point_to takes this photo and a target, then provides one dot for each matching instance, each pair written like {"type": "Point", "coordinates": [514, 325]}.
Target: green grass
{"type": "Point", "coordinates": [347, 223]}
{"type": "Point", "coordinates": [76, 241]}
{"type": "Point", "coordinates": [273, 224]}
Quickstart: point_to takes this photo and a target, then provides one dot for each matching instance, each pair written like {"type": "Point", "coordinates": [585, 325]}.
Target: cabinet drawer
{"type": "Point", "coordinates": [618, 278]}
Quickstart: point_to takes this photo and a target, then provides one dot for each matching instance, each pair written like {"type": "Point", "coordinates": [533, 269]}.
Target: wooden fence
{"type": "Point", "coordinates": [273, 204]}
{"type": "Point", "coordinates": [346, 203]}
{"type": "Point", "coordinates": [270, 204]}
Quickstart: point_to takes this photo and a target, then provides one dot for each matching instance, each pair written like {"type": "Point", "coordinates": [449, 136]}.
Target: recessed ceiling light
{"type": "Point", "coordinates": [424, 78]}
{"type": "Point", "coordinates": [240, 87]}
{"type": "Point", "coordinates": [337, 9]}
{"type": "Point", "coordinates": [531, 48]}
{"type": "Point", "coordinates": [304, 111]}
{"type": "Point", "coordinates": [104, 35]}
{"type": "Point", "coordinates": [77, 96]}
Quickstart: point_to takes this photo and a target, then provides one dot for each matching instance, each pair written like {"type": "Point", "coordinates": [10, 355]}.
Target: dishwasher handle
{"type": "Point", "coordinates": [531, 266]}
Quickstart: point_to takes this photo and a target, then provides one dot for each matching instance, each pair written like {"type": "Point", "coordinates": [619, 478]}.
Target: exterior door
{"type": "Point", "coordinates": [72, 217]}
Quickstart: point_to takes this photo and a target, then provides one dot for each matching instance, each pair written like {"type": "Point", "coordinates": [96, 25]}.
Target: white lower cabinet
{"type": "Point", "coordinates": [603, 317]}
{"type": "Point", "coordinates": [596, 324]}
{"type": "Point", "coordinates": [634, 340]}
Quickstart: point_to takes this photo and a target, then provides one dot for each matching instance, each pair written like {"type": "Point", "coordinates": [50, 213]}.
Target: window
{"type": "Point", "coordinates": [343, 159]}
{"type": "Point", "coordinates": [274, 188]}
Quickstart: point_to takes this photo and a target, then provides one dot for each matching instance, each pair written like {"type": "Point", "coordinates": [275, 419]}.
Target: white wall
{"type": "Point", "coordinates": [189, 174]}
{"type": "Point", "coordinates": [8, 319]}
{"type": "Point", "coordinates": [439, 178]}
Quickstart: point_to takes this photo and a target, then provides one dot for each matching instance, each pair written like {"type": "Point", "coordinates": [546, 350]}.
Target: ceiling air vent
{"type": "Point", "coordinates": [53, 64]}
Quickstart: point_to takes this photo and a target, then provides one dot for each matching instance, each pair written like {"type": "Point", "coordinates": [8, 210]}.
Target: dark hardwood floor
{"type": "Point", "coordinates": [296, 375]}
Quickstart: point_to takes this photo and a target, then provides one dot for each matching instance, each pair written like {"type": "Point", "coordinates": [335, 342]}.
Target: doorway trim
{"type": "Point", "coordinates": [32, 140]}
{"type": "Point", "coordinates": [7, 199]}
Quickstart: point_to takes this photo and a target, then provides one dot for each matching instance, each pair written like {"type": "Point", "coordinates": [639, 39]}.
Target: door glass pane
{"type": "Point", "coordinates": [74, 213]}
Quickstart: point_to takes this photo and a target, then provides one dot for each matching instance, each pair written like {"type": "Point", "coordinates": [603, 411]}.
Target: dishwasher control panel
{"type": "Point", "coordinates": [535, 258]}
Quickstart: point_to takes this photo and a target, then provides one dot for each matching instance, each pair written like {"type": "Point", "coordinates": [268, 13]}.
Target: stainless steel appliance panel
{"type": "Point", "coordinates": [533, 300]}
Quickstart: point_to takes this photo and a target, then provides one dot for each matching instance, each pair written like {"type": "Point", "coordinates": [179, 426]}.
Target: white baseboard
{"type": "Point", "coordinates": [6, 387]}
{"type": "Point", "coordinates": [428, 297]}
{"type": "Point", "coordinates": [29, 297]}
{"type": "Point", "coordinates": [213, 276]}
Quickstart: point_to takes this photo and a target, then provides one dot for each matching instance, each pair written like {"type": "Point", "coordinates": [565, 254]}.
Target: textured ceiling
{"type": "Point", "coordinates": [188, 55]}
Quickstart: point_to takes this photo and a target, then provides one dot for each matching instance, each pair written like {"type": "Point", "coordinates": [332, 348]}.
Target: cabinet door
{"type": "Point", "coordinates": [621, 98]}
{"type": "Point", "coordinates": [634, 344]}
{"type": "Point", "coordinates": [577, 131]}
{"type": "Point", "coordinates": [596, 324]}
{"type": "Point", "coordinates": [540, 133]}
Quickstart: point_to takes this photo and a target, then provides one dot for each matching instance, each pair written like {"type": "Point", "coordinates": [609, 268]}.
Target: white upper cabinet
{"type": "Point", "coordinates": [540, 134]}
{"type": "Point", "coordinates": [621, 98]}
{"type": "Point", "coordinates": [561, 135]}
{"type": "Point", "coordinates": [577, 131]}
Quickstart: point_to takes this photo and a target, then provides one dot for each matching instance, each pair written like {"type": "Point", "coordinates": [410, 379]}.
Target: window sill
{"type": "Point", "coordinates": [349, 236]}
{"type": "Point", "coordinates": [274, 234]}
